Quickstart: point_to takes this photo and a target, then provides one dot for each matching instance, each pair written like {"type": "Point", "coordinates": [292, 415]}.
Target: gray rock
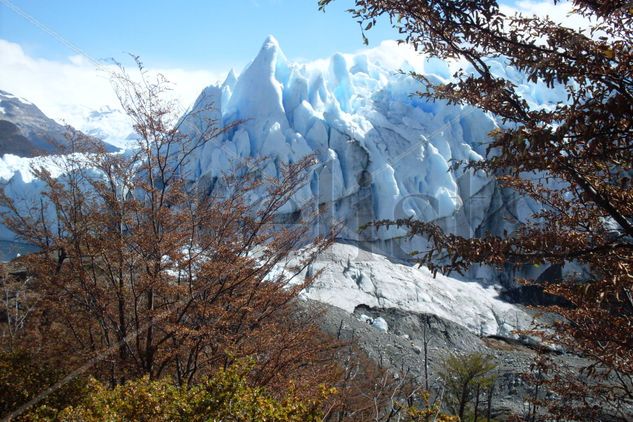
{"type": "Point", "coordinates": [394, 351]}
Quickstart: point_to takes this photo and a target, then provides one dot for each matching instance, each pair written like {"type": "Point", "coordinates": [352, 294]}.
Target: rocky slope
{"type": "Point", "coordinates": [394, 339]}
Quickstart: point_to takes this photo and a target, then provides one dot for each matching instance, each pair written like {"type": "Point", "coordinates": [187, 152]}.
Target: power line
{"type": "Point", "coordinates": [34, 21]}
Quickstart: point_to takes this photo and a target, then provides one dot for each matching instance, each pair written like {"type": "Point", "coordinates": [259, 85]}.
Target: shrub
{"type": "Point", "coordinates": [225, 396]}
{"type": "Point", "coordinates": [23, 378]}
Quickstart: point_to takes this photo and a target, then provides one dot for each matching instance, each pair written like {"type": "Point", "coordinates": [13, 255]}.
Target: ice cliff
{"type": "Point", "coordinates": [382, 151]}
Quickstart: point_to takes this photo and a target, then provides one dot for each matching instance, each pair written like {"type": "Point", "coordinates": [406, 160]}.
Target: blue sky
{"type": "Point", "coordinates": [47, 47]}
{"type": "Point", "coordinates": [194, 34]}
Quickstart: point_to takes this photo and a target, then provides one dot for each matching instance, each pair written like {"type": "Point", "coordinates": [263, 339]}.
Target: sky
{"type": "Point", "coordinates": [194, 34]}
{"type": "Point", "coordinates": [50, 50]}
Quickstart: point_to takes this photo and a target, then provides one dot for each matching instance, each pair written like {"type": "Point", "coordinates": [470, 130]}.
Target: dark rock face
{"type": "Point", "coordinates": [531, 295]}
{"type": "Point", "coordinates": [13, 142]}
{"type": "Point", "coordinates": [27, 132]}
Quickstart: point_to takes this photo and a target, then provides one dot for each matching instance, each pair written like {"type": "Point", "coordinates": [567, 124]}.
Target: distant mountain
{"type": "Point", "coordinates": [27, 132]}
{"type": "Point", "coordinates": [108, 123]}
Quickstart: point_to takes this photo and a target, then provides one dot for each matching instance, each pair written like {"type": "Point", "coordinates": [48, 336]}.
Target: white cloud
{"type": "Point", "coordinates": [561, 13]}
{"type": "Point", "coordinates": [66, 90]}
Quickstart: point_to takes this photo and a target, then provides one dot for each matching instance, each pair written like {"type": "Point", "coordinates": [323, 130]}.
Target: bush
{"type": "Point", "coordinates": [427, 411]}
{"type": "Point", "coordinates": [23, 378]}
{"type": "Point", "coordinates": [226, 396]}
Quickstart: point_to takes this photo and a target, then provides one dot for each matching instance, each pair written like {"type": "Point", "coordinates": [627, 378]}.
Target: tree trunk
{"type": "Point", "coordinates": [426, 356]}
{"type": "Point", "coordinates": [462, 401]}
{"type": "Point", "coordinates": [122, 320]}
{"type": "Point", "coordinates": [490, 391]}
{"type": "Point", "coordinates": [476, 402]}
{"type": "Point", "coordinates": [149, 340]}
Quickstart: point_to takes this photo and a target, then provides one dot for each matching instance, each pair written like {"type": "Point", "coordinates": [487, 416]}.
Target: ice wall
{"type": "Point", "coordinates": [382, 151]}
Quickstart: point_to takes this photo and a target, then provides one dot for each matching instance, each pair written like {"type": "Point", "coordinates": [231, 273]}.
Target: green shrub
{"type": "Point", "coordinates": [464, 378]}
{"type": "Point", "coordinates": [226, 396]}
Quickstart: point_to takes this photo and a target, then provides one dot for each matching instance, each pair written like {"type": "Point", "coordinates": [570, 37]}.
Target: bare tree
{"type": "Point", "coordinates": [18, 301]}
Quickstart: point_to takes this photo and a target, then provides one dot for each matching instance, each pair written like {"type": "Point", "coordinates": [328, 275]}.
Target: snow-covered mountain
{"type": "Point", "coordinates": [25, 131]}
{"type": "Point", "coordinates": [110, 124]}
{"type": "Point", "coordinates": [28, 136]}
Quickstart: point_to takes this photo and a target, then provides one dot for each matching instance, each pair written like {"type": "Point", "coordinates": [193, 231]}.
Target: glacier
{"type": "Point", "coordinates": [351, 277]}
{"type": "Point", "coordinates": [381, 153]}
{"type": "Point", "coordinates": [110, 124]}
